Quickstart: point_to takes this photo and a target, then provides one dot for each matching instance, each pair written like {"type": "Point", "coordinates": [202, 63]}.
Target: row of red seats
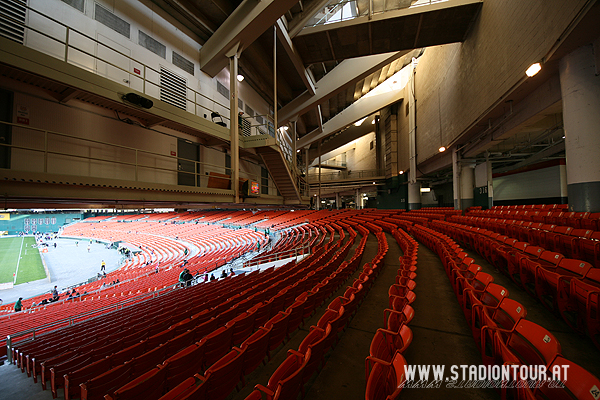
{"type": "Point", "coordinates": [164, 335]}
{"type": "Point", "coordinates": [384, 367]}
{"type": "Point", "coordinates": [583, 244]}
{"type": "Point", "coordinates": [578, 220]}
{"type": "Point", "coordinates": [567, 287]}
{"type": "Point", "coordinates": [214, 385]}
{"type": "Point", "coordinates": [500, 328]}
{"type": "Point", "coordinates": [300, 365]}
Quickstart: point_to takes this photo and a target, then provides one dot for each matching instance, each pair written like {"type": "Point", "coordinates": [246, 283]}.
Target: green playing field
{"type": "Point", "coordinates": [18, 257]}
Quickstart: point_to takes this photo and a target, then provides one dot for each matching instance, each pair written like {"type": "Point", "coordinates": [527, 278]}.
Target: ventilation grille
{"type": "Point", "coordinates": [262, 131]}
{"type": "Point", "coordinates": [260, 120]}
{"type": "Point", "coordinates": [183, 63]}
{"type": "Point", "coordinates": [173, 89]}
{"type": "Point", "coordinates": [249, 111]}
{"type": "Point", "coordinates": [78, 4]}
{"type": "Point", "coordinates": [152, 44]}
{"type": "Point", "coordinates": [109, 19]}
{"type": "Point", "coordinates": [12, 19]}
{"type": "Point", "coordinates": [222, 89]}
{"type": "Point", "coordinates": [240, 104]}
{"type": "Point", "coordinates": [245, 129]}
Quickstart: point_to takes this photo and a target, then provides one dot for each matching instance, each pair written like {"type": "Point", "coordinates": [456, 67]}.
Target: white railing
{"type": "Point", "coordinates": [345, 175]}
{"type": "Point", "coordinates": [291, 253]}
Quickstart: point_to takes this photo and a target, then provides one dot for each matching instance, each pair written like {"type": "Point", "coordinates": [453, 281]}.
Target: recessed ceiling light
{"type": "Point", "coordinates": [533, 69]}
{"type": "Point", "coordinates": [240, 78]}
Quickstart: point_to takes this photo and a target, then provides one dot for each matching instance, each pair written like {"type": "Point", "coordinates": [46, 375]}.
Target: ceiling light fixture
{"type": "Point", "coordinates": [401, 172]}
{"type": "Point", "coordinates": [442, 149]}
{"type": "Point", "coordinates": [425, 190]}
{"type": "Point", "coordinates": [240, 78]}
{"type": "Point", "coordinates": [533, 69]}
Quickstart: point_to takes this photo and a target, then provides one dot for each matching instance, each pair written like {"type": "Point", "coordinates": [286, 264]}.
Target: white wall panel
{"type": "Point", "coordinates": [536, 184]}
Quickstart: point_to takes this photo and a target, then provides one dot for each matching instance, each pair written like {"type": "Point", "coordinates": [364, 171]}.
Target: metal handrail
{"type": "Point", "coordinates": [345, 175]}
{"type": "Point", "coordinates": [295, 252]}
{"type": "Point", "coordinates": [67, 42]}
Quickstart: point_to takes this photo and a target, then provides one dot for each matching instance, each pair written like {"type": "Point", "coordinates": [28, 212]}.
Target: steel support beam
{"type": "Point", "coordinates": [245, 24]}
{"type": "Point", "coordinates": [344, 75]}
{"type": "Point", "coordinates": [289, 48]}
{"type": "Point", "coordinates": [359, 109]}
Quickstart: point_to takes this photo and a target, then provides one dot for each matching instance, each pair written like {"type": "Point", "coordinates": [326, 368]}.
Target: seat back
{"type": "Point", "coordinates": [577, 384]}
{"type": "Point", "coordinates": [223, 376]}
{"type": "Point", "coordinates": [287, 379]}
{"type": "Point", "coordinates": [509, 313]}
{"type": "Point", "coordinates": [533, 344]}
{"type": "Point", "coordinates": [494, 294]}
{"type": "Point", "coordinates": [183, 364]}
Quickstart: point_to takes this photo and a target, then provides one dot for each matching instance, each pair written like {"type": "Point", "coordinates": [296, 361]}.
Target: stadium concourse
{"type": "Point", "coordinates": [311, 322]}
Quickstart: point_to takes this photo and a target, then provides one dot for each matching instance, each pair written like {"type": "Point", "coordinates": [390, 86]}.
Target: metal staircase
{"type": "Point", "coordinates": [281, 173]}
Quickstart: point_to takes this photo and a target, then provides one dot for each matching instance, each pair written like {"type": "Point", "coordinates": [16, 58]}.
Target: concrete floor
{"type": "Point", "coordinates": [441, 337]}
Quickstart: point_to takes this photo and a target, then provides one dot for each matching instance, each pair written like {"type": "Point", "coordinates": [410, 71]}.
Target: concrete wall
{"type": "Point", "coordinates": [457, 83]}
{"type": "Point", "coordinates": [116, 139]}
{"type": "Point", "coordinates": [544, 184]}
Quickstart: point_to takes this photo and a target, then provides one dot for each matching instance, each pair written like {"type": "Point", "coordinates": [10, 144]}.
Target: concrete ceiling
{"type": "Point", "coordinates": [302, 69]}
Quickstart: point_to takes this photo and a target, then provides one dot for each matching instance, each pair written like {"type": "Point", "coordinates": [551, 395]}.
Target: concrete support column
{"type": "Point", "coordinates": [294, 137]}
{"type": "Point", "coordinates": [467, 181]}
{"type": "Point", "coordinates": [319, 165]}
{"type": "Point", "coordinates": [234, 128]}
{"type": "Point", "coordinates": [580, 87]}
{"type": "Point", "coordinates": [358, 205]}
{"type": "Point", "coordinates": [414, 195]}
{"type": "Point", "coordinates": [456, 178]}
{"type": "Point", "coordinates": [490, 182]}
{"type": "Point", "coordinates": [337, 201]}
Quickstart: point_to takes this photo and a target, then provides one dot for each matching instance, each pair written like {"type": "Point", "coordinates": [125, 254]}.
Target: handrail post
{"type": "Point", "coordinates": [67, 44]}
{"type": "Point", "coordinates": [9, 349]}
{"type": "Point", "coordinates": [45, 151]}
{"type": "Point", "coordinates": [136, 165]}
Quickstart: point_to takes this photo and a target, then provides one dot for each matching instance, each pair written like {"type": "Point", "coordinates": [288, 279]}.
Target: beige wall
{"type": "Point", "coordinates": [457, 83]}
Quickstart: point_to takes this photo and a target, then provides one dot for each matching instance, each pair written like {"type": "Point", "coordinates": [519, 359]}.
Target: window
{"type": "Point", "coordinates": [78, 4]}
{"type": "Point", "coordinates": [249, 110]}
{"type": "Point", "coordinates": [222, 89]}
{"type": "Point", "coordinates": [173, 89]}
{"type": "Point", "coordinates": [109, 19]}
{"type": "Point", "coordinates": [183, 63]}
{"type": "Point", "coordinates": [152, 44]}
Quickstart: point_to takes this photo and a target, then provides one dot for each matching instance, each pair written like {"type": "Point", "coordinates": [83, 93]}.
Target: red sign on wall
{"type": "Point", "coordinates": [137, 71]}
{"type": "Point", "coordinates": [173, 153]}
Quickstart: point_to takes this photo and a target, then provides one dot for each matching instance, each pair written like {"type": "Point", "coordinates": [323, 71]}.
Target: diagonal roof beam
{"type": "Point", "coordinates": [245, 24]}
{"type": "Point", "coordinates": [359, 109]}
{"type": "Point", "coordinates": [344, 75]}
{"type": "Point", "coordinates": [547, 152]}
{"type": "Point", "coordinates": [309, 10]}
{"type": "Point", "coordinates": [286, 41]}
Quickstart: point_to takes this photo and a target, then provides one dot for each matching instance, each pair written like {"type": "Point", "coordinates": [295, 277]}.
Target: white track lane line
{"type": "Point", "coordinates": [19, 260]}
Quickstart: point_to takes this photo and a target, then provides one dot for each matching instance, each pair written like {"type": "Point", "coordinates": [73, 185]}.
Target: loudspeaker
{"type": "Point", "coordinates": [138, 100]}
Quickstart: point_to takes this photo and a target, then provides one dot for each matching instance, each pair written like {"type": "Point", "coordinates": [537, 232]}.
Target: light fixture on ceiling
{"type": "Point", "coordinates": [373, 183]}
{"type": "Point", "coordinates": [373, 122]}
{"type": "Point", "coordinates": [240, 78]}
{"type": "Point", "coordinates": [533, 69]}
{"type": "Point", "coordinates": [425, 190]}
{"type": "Point", "coordinates": [442, 149]}
{"type": "Point", "coordinates": [401, 172]}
